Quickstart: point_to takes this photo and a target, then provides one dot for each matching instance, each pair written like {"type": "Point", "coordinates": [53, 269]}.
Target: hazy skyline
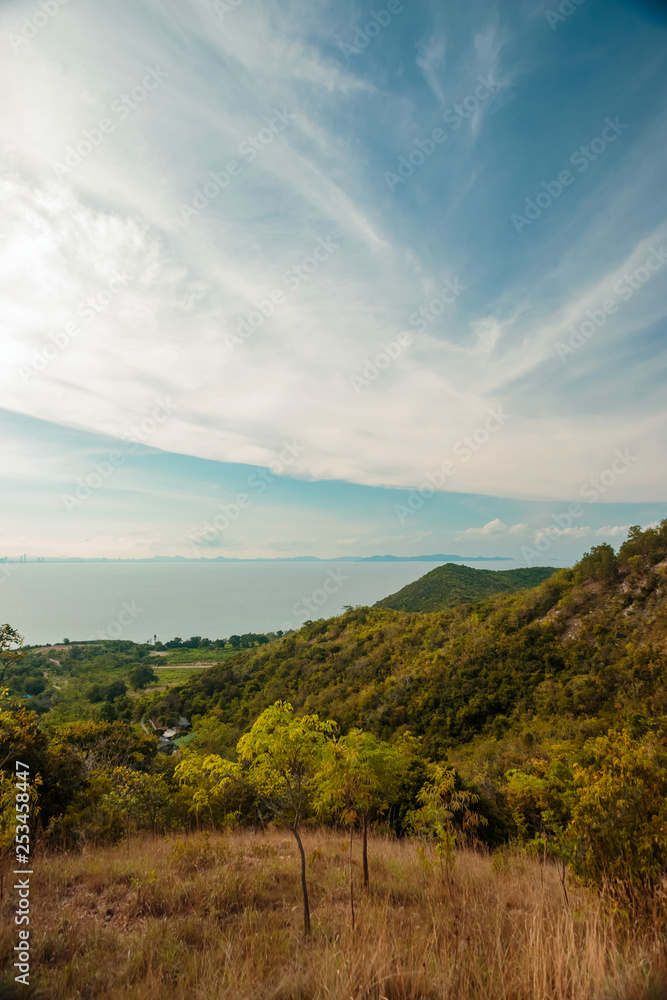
{"type": "Point", "coordinates": [370, 248]}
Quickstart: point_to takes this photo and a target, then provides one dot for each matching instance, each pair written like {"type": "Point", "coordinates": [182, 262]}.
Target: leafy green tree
{"type": "Point", "coordinates": [141, 676]}
{"type": "Point", "coordinates": [359, 775]}
{"type": "Point", "coordinates": [140, 796]}
{"type": "Point", "coordinates": [34, 685]}
{"type": "Point", "coordinates": [106, 744]}
{"type": "Point", "coordinates": [618, 831]}
{"type": "Point", "coordinates": [540, 799]}
{"type": "Point", "coordinates": [599, 564]}
{"type": "Point", "coordinates": [445, 812]}
{"type": "Point", "coordinates": [278, 759]}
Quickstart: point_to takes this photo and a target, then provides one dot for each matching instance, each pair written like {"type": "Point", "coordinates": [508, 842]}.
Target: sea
{"type": "Point", "coordinates": [50, 602]}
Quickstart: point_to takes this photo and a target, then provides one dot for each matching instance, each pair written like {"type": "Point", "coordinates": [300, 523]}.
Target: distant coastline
{"type": "Point", "coordinates": [233, 559]}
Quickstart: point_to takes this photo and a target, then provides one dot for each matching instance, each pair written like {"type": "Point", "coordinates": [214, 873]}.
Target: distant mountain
{"type": "Point", "coordinates": [311, 559]}
{"type": "Point", "coordinates": [584, 650]}
{"type": "Point", "coordinates": [450, 584]}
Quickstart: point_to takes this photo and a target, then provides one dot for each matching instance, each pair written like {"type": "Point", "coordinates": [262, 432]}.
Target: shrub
{"type": "Point", "coordinates": [618, 831]}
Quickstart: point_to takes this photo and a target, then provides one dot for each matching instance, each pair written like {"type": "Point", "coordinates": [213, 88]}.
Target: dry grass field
{"type": "Point", "coordinates": [220, 919]}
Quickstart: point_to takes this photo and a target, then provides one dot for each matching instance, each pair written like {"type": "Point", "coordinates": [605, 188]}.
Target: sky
{"type": "Point", "coordinates": [304, 277]}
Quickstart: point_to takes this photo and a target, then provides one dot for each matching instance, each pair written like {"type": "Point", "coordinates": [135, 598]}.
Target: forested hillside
{"type": "Point", "coordinates": [452, 584]}
{"type": "Point", "coordinates": [536, 719]}
{"type": "Point", "coordinates": [586, 645]}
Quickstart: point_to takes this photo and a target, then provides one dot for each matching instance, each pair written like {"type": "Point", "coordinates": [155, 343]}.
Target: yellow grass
{"type": "Point", "coordinates": [191, 919]}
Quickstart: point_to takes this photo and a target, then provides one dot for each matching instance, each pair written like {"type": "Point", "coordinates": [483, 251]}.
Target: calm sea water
{"type": "Point", "coordinates": [47, 602]}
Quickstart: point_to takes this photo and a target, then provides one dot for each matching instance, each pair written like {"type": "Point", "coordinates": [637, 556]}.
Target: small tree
{"type": "Point", "coordinates": [141, 797]}
{"type": "Point", "coordinates": [539, 800]}
{"type": "Point", "coordinates": [358, 774]}
{"type": "Point", "coordinates": [141, 676]}
{"type": "Point", "coordinates": [441, 801]}
{"type": "Point", "coordinates": [278, 760]}
{"type": "Point", "coordinates": [618, 831]}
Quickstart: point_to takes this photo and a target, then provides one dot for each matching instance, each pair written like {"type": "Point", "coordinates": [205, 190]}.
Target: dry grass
{"type": "Point", "coordinates": [221, 920]}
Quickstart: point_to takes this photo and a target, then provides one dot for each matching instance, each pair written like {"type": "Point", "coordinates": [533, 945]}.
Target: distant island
{"type": "Point", "coordinates": [432, 558]}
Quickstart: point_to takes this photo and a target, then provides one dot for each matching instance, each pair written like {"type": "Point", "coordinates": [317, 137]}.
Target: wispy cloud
{"type": "Point", "coordinates": [65, 234]}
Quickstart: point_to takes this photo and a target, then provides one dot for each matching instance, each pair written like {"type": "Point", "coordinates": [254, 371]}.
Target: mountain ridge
{"type": "Point", "coordinates": [585, 648]}
{"type": "Point", "coordinates": [453, 583]}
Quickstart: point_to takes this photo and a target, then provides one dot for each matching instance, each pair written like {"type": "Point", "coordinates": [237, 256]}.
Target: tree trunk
{"type": "Point", "coordinates": [304, 887]}
{"type": "Point", "coordinates": [351, 879]}
{"type": "Point", "coordinates": [365, 850]}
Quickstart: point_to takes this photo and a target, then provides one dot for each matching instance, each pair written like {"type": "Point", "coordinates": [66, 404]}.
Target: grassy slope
{"type": "Point", "coordinates": [453, 584]}
{"type": "Point", "coordinates": [221, 919]}
{"type": "Point", "coordinates": [564, 651]}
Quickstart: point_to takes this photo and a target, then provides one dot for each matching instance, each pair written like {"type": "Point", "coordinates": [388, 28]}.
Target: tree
{"type": "Point", "coordinates": [441, 801]}
{"type": "Point", "coordinates": [600, 564]}
{"type": "Point", "coordinates": [105, 744]}
{"type": "Point", "coordinates": [140, 796]}
{"type": "Point", "coordinates": [141, 676]}
{"type": "Point", "coordinates": [10, 648]}
{"type": "Point", "coordinates": [358, 775]}
{"type": "Point", "coordinates": [540, 800]}
{"type": "Point", "coordinates": [618, 831]}
{"type": "Point", "coordinates": [278, 760]}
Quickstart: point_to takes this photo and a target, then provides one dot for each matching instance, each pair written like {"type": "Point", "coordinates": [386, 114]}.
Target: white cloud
{"type": "Point", "coordinates": [492, 529]}
{"type": "Point", "coordinates": [163, 334]}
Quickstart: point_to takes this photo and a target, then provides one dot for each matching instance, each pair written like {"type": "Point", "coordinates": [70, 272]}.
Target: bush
{"type": "Point", "coordinates": [618, 831]}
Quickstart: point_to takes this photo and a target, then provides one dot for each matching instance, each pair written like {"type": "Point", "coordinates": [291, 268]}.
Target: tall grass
{"type": "Point", "coordinates": [207, 919]}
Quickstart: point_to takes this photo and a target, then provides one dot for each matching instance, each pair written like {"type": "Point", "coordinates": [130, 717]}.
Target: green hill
{"type": "Point", "coordinates": [453, 584]}
{"type": "Point", "coordinates": [587, 646]}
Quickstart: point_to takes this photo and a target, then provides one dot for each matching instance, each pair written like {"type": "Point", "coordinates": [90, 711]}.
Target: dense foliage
{"type": "Point", "coordinates": [573, 655]}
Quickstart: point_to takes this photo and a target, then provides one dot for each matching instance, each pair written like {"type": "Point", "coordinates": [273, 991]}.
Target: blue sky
{"type": "Point", "coordinates": [413, 262]}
